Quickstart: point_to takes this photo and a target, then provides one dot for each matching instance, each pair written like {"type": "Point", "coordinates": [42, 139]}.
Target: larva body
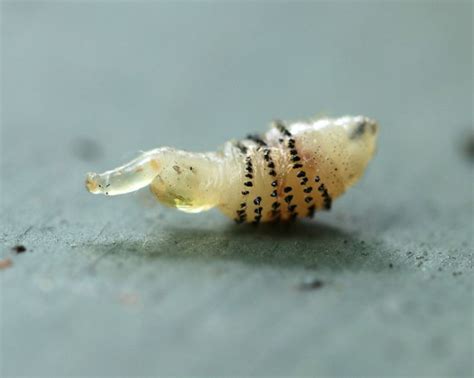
{"type": "Point", "coordinates": [291, 171]}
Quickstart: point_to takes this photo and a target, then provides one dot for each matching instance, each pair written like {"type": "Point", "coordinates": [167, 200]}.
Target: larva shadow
{"type": "Point", "coordinates": [306, 245]}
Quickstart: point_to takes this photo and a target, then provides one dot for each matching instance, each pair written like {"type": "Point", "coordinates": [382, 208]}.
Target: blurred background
{"type": "Point", "coordinates": [381, 285]}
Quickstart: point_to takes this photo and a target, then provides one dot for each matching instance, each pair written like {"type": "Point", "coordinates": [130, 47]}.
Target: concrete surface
{"type": "Point", "coordinates": [382, 285]}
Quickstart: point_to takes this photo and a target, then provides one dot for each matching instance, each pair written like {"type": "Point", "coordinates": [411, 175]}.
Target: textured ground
{"type": "Point", "coordinates": [382, 285]}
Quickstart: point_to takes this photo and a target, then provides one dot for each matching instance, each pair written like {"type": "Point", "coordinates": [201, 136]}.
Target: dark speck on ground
{"type": "Point", "coordinates": [19, 248]}
{"type": "Point", "coordinates": [312, 284]}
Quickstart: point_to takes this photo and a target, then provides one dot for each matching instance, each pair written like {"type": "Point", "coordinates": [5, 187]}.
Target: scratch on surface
{"type": "Point", "coordinates": [24, 233]}
{"type": "Point", "coordinates": [94, 263]}
{"type": "Point", "coordinates": [100, 232]}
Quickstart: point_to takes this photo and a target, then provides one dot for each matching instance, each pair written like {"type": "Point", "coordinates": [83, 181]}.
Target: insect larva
{"type": "Point", "coordinates": [291, 171]}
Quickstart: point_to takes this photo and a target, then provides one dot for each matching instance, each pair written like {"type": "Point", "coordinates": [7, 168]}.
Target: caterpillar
{"type": "Point", "coordinates": [290, 172]}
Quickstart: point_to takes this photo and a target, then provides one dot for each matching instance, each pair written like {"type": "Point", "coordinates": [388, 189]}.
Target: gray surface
{"type": "Point", "coordinates": [120, 285]}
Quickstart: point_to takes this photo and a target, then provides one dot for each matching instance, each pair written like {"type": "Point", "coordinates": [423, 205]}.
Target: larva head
{"type": "Point", "coordinates": [101, 184]}
{"type": "Point", "coordinates": [94, 184]}
{"type": "Point", "coordinates": [122, 180]}
{"type": "Point", "coordinates": [125, 179]}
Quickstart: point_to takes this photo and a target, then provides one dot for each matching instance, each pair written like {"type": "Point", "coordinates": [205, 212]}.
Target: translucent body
{"type": "Point", "coordinates": [292, 171]}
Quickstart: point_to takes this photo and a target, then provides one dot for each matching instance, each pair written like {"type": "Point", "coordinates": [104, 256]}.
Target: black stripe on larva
{"type": "Point", "coordinates": [257, 200]}
{"type": "Point", "coordinates": [241, 219]}
{"type": "Point", "coordinates": [258, 210]}
{"type": "Point", "coordinates": [242, 216]}
{"type": "Point", "coordinates": [281, 127]}
{"type": "Point", "coordinates": [308, 199]}
{"type": "Point", "coordinates": [241, 147]}
{"type": "Point", "coordinates": [309, 189]}
{"type": "Point", "coordinates": [267, 157]}
{"type": "Point", "coordinates": [257, 219]}
{"type": "Point", "coordinates": [243, 205]}
{"type": "Point", "coordinates": [295, 158]}
{"type": "Point", "coordinates": [311, 211]}
{"type": "Point", "coordinates": [284, 131]}
{"type": "Point", "coordinates": [317, 179]}
{"type": "Point", "coordinates": [275, 205]}
{"type": "Point", "coordinates": [327, 200]}
{"type": "Point", "coordinates": [257, 139]}
{"type": "Point", "coordinates": [293, 152]}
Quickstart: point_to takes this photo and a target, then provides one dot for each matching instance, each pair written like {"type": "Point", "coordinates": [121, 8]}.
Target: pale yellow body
{"type": "Point", "coordinates": [290, 172]}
